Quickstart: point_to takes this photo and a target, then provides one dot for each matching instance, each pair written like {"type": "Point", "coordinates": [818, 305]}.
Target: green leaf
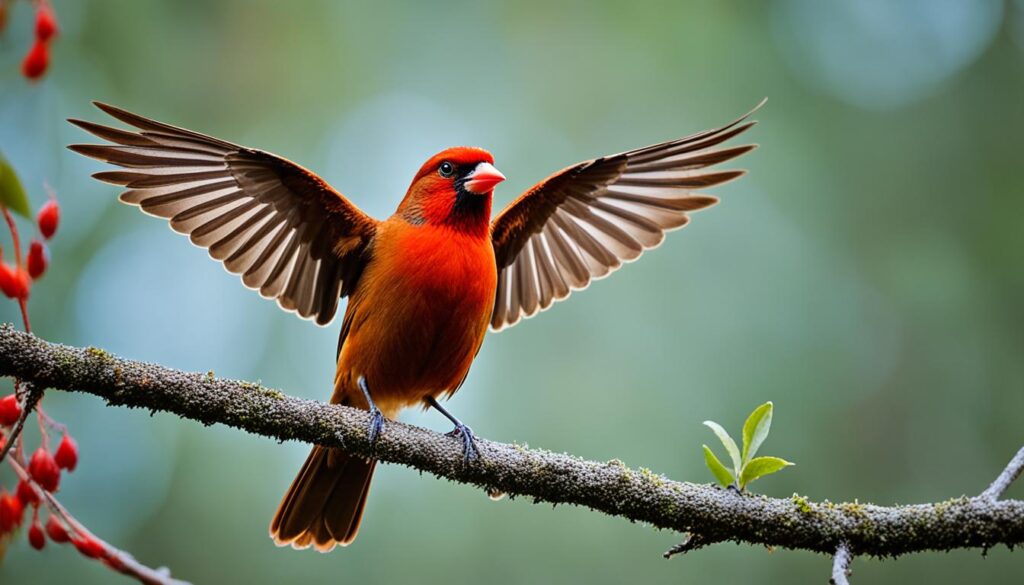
{"type": "Point", "coordinates": [730, 445]}
{"type": "Point", "coordinates": [12, 194]}
{"type": "Point", "coordinates": [721, 473]}
{"type": "Point", "coordinates": [755, 430]}
{"type": "Point", "coordinates": [760, 467]}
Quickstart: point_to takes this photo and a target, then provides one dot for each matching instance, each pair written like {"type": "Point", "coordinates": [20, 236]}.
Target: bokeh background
{"type": "Point", "coordinates": [866, 275]}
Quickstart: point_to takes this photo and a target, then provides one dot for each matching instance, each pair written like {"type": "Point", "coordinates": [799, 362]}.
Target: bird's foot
{"type": "Point", "coordinates": [376, 425]}
{"type": "Point", "coordinates": [376, 416]}
{"type": "Point", "coordinates": [469, 451]}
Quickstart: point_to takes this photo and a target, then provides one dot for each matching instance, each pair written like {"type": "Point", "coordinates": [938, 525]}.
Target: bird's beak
{"type": "Point", "coordinates": [483, 179]}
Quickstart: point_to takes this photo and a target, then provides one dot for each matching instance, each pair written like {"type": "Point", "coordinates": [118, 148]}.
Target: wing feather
{"type": "Point", "coordinates": [585, 221]}
{"type": "Point", "coordinates": [265, 218]}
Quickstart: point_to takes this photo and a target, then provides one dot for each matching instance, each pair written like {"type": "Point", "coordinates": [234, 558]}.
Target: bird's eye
{"type": "Point", "coordinates": [446, 169]}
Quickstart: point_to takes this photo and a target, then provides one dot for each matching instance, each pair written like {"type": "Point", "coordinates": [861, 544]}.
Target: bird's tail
{"type": "Point", "coordinates": [324, 505]}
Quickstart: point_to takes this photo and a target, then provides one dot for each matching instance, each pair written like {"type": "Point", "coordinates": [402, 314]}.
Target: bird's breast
{"type": "Point", "coordinates": [420, 311]}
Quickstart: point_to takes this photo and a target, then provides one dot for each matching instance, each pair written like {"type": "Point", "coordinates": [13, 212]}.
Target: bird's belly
{"type": "Point", "coordinates": [420, 333]}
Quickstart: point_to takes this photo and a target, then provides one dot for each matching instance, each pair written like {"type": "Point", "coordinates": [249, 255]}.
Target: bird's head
{"type": "Point", "coordinates": [453, 189]}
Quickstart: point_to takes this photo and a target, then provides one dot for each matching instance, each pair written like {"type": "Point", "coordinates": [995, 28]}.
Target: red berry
{"type": "Point", "coordinates": [48, 218]}
{"type": "Point", "coordinates": [38, 259]}
{"type": "Point", "coordinates": [27, 494]}
{"type": "Point", "coordinates": [10, 410]}
{"type": "Point", "coordinates": [11, 512]}
{"type": "Point", "coordinates": [17, 508]}
{"type": "Point", "coordinates": [36, 61]}
{"type": "Point", "coordinates": [35, 536]}
{"type": "Point", "coordinates": [89, 547]}
{"type": "Point", "coordinates": [44, 470]}
{"type": "Point", "coordinates": [14, 281]}
{"type": "Point", "coordinates": [23, 283]}
{"type": "Point", "coordinates": [46, 22]}
{"type": "Point", "coordinates": [56, 531]}
{"type": "Point", "coordinates": [67, 453]}
{"type": "Point", "coordinates": [8, 280]}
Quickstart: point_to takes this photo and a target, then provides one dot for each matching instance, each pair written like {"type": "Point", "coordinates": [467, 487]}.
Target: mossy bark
{"type": "Point", "coordinates": [610, 487]}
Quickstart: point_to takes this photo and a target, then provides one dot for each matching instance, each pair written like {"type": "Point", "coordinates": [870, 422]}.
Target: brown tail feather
{"type": "Point", "coordinates": [324, 505]}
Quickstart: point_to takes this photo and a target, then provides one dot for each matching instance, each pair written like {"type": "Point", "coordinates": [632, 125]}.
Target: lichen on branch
{"type": "Point", "coordinates": [714, 513]}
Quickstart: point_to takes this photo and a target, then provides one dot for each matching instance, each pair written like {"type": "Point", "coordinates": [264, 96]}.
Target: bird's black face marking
{"type": "Point", "coordinates": [466, 203]}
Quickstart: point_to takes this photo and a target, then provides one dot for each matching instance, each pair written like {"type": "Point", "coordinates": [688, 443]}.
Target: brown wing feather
{"type": "Point", "coordinates": [583, 222]}
{"type": "Point", "coordinates": [285, 231]}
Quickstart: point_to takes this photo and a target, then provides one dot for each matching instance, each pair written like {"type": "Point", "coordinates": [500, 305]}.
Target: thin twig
{"type": "Point", "coordinates": [18, 260]}
{"type": "Point", "coordinates": [609, 487]}
{"type": "Point", "coordinates": [121, 560]}
{"type": "Point", "coordinates": [23, 305]}
{"type": "Point", "coordinates": [32, 396]}
{"type": "Point", "coordinates": [693, 542]}
{"type": "Point", "coordinates": [1010, 473]}
{"type": "Point", "coordinates": [841, 566]}
{"type": "Point", "coordinates": [116, 558]}
{"type": "Point", "coordinates": [34, 393]}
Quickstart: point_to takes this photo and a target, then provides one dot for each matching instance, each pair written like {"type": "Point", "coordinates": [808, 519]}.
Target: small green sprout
{"type": "Point", "coordinates": [745, 467]}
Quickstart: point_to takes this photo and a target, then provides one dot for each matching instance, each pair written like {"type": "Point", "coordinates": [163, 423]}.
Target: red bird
{"type": "Point", "coordinates": [424, 284]}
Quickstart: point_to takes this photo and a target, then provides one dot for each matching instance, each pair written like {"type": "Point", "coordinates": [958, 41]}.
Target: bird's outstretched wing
{"type": "Point", "coordinates": [583, 222]}
{"type": "Point", "coordinates": [282, 228]}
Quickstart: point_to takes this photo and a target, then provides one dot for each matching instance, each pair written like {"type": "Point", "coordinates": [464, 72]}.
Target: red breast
{"type": "Point", "coordinates": [424, 300]}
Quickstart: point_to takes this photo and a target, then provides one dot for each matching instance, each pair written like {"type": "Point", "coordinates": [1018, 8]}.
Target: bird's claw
{"type": "Point", "coordinates": [376, 416]}
{"type": "Point", "coordinates": [469, 451]}
{"type": "Point", "coordinates": [376, 425]}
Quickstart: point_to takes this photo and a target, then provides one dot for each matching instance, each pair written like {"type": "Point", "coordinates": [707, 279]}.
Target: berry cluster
{"type": "Point", "coordinates": [43, 473]}
{"type": "Point", "coordinates": [16, 280]}
{"type": "Point", "coordinates": [38, 57]}
{"type": "Point", "coordinates": [39, 477]}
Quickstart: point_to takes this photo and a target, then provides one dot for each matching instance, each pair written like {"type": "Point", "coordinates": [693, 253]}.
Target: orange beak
{"type": "Point", "coordinates": [483, 179]}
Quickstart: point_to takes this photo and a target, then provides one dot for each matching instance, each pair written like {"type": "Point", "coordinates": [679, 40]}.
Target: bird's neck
{"type": "Point", "coordinates": [464, 213]}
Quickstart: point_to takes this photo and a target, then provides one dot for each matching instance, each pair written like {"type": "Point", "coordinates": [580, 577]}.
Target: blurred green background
{"type": "Point", "coordinates": [866, 275]}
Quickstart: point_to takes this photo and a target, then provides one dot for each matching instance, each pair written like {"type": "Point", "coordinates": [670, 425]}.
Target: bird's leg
{"type": "Point", "coordinates": [376, 416]}
{"type": "Point", "coordinates": [469, 450]}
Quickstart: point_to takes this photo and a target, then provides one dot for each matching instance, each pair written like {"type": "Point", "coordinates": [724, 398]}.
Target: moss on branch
{"type": "Point", "coordinates": [610, 487]}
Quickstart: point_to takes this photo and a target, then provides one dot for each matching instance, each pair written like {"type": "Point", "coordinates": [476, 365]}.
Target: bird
{"type": "Point", "coordinates": [424, 285]}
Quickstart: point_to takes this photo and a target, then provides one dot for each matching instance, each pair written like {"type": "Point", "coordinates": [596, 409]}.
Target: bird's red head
{"type": "Point", "coordinates": [453, 189]}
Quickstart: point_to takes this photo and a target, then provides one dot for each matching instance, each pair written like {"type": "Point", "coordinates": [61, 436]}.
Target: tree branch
{"type": "Point", "coordinates": [612, 488]}
{"type": "Point", "coordinates": [841, 566]}
{"type": "Point", "coordinates": [1012, 472]}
